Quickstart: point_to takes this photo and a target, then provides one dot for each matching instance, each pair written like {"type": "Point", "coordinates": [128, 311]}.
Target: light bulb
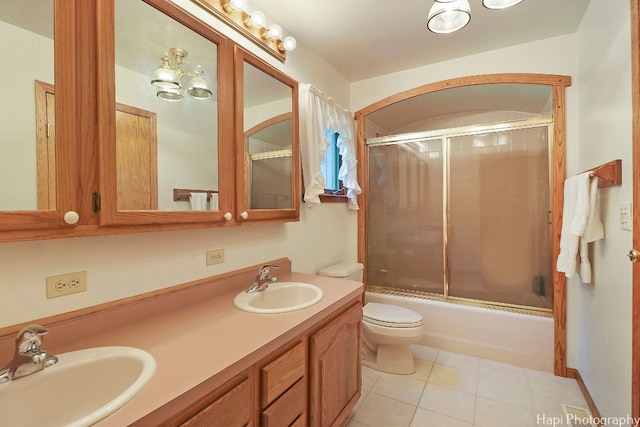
{"type": "Point", "coordinates": [288, 44]}
{"type": "Point", "coordinates": [237, 5]}
{"type": "Point", "coordinates": [256, 20]}
{"type": "Point", "coordinates": [499, 4]}
{"type": "Point", "coordinates": [275, 32]}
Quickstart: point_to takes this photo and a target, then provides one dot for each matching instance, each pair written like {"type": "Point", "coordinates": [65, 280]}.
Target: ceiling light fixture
{"type": "Point", "coordinates": [251, 24]}
{"type": "Point", "coordinates": [168, 78]}
{"type": "Point", "coordinates": [447, 16]}
{"type": "Point", "coordinates": [500, 4]}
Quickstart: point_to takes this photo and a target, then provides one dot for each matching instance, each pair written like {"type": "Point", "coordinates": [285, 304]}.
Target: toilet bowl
{"type": "Point", "coordinates": [387, 334]}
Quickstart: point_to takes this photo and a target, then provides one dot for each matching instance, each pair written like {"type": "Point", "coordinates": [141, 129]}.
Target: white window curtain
{"type": "Point", "coordinates": [319, 114]}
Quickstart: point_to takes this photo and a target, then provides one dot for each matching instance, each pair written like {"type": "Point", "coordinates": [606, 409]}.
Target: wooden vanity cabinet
{"type": "Point", "coordinates": [335, 368]}
{"type": "Point", "coordinates": [229, 405]}
{"type": "Point", "coordinates": [283, 391]}
{"type": "Point", "coordinates": [312, 380]}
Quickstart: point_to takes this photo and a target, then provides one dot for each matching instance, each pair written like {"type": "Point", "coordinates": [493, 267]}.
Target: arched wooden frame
{"type": "Point", "coordinates": [558, 84]}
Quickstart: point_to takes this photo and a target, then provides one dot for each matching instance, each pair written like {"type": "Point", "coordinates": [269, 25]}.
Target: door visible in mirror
{"type": "Point", "coordinates": [27, 145]}
{"type": "Point", "coordinates": [167, 121]}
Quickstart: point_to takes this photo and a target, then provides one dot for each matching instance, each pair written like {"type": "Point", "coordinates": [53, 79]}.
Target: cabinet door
{"type": "Point", "coordinates": [335, 368]}
{"type": "Point", "coordinates": [35, 193]}
{"type": "Point", "coordinates": [268, 162]}
{"type": "Point", "coordinates": [232, 409]}
{"type": "Point", "coordinates": [177, 70]}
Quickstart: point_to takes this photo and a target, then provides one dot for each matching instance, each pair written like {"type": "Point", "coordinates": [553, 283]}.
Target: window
{"type": "Point", "coordinates": [330, 170]}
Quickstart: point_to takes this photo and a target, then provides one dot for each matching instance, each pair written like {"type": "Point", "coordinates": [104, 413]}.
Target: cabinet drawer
{"type": "Point", "coordinates": [288, 409]}
{"type": "Point", "coordinates": [282, 373]}
{"type": "Point", "coordinates": [231, 409]}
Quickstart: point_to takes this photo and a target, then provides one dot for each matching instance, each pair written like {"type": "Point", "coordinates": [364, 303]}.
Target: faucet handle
{"type": "Point", "coordinates": [263, 272]}
{"type": "Point", "coordinates": [30, 338]}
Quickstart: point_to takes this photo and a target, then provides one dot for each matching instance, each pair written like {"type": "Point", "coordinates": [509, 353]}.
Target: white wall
{"type": "Point", "coordinates": [603, 309]}
{"type": "Point", "coordinates": [123, 265]}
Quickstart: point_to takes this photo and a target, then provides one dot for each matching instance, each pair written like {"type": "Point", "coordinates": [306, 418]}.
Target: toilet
{"type": "Point", "coordinates": [387, 330]}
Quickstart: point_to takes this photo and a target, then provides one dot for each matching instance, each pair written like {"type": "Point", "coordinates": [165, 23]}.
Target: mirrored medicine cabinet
{"type": "Point", "coordinates": [91, 146]}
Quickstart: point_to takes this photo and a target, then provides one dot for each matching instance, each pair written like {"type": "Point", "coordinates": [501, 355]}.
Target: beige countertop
{"type": "Point", "coordinates": [195, 343]}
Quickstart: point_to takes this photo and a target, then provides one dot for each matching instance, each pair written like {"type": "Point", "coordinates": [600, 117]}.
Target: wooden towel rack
{"type": "Point", "coordinates": [182, 194]}
{"type": "Point", "coordinates": [608, 173]}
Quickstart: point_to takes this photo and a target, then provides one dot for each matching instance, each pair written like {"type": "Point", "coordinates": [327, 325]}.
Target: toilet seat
{"type": "Point", "coordinates": [391, 316]}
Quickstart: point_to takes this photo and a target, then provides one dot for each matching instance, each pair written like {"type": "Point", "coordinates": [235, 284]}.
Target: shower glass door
{"type": "Point", "coordinates": [462, 214]}
{"type": "Point", "coordinates": [405, 241]}
{"type": "Point", "coordinates": [499, 217]}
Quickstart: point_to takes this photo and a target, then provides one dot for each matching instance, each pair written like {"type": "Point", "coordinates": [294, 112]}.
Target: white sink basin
{"type": "Point", "coordinates": [82, 388]}
{"type": "Point", "coordinates": [279, 297]}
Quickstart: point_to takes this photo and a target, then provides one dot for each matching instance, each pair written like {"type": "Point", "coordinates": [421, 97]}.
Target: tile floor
{"type": "Point", "coordinates": [455, 390]}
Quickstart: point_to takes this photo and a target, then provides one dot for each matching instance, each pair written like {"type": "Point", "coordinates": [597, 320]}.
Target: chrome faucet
{"type": "Point", "coordinates": [262, 279]}
{"type": "Point", "coordinates": [29, 358]}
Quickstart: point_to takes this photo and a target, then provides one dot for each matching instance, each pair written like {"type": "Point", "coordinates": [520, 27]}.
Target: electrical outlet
{"type": "Point", "coordinates": [215, 257]}
{"type": "Point", "coordinates": [65, 284]}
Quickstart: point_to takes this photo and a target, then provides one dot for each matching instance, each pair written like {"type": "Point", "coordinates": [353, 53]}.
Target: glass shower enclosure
{"type": "Point", "coordinates": [463, 214]}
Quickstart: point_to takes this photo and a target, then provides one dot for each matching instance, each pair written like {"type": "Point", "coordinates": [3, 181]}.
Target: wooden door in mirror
{"type": "Point", "coordinates": [37, 186]}
{"type": "Point", "coordinates": [268, 164]}
{"type": "Point", "coordinates": [173, 163]}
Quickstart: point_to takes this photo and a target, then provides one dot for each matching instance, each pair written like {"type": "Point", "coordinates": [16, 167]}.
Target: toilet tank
{"type": "Point", "coordinates": [344, 270]}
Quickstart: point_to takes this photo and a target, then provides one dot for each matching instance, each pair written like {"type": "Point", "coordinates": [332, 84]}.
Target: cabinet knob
{"type": "Point", "coordinates": [634, 256]}
{"type": "Point", "coordinates": [244, 215]}
{"type": "Point", "coordinates": [228, 216]}
{"type": "Point", "coordinates": [71, 217]}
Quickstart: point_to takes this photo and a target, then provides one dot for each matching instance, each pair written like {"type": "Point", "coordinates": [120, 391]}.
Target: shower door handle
{"type": "Point", "coordinates": [634, 256]}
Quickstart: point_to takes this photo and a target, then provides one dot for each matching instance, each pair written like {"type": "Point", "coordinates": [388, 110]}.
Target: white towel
{"type": "Point", "coordinates": [198, 201]}
{"type": "Point", "coordinates": [213, 203]}
{"type": "Point", "coordinates": [594, 230]}
{"type": "Point", "coordinates": [581, 224]}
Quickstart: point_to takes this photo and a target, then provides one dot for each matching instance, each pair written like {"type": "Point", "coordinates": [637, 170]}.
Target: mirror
{"type": "Point", "coordinates": [27, 153]}
{"type": "Point", "coordinates": [269, 140]}
{"type": "Point", "coordinates": [166, 132]}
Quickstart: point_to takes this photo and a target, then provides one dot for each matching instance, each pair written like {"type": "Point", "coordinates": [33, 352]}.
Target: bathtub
{"type": "Point", "coordinates": [519, 339]}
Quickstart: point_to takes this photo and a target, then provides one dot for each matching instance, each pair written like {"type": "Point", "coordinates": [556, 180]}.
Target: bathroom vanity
{"type": "Point", "coordinates": [218, 365]}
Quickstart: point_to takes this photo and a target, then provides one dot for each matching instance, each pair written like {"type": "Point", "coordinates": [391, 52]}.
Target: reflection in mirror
{"type": "Point", "coordinates": [270, 157]}
{"type": "Point", "coordinates": [27, 155]}
{"type": "Point", "coordinates": [268, 128]}
{"type": "Point", "coordinates": [461, 106]}
{"type": "Point", "coordinates": [166, 132]}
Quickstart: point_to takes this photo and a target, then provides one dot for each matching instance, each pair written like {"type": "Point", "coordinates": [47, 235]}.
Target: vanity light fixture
{"type": "Point", "coordinates": [168, 78]}
{"type": "Point", "coordinates": [253, 25]}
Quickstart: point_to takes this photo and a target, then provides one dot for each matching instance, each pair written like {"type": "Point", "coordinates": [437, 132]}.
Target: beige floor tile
{"type": "Point", "coordinates": [549, 392]}
{"type": "Point", "coordinates": [447, 401]}
{"type": "Point", "coordinates": [456, 378]}
{"type": "Point", "coordinates": [504, 371]}
{"type": "Point", "coordinates": [424, 353]}
{"type": "Point", "coordinates": [400, 387]}
{"type": "Point", "coordinates": [423, 369]}
{"type": "Point", "coordinates": [504, 391]}
{"type": "Point", "coordinates": [369, 377]}
{"type": "Point", "coordinates": [424, 418]}
{"type": "Point", "coordinates": [490, 413]}
{"type": "Point", "coordinates": [353, 423]}
{"type": "Point", "coordinates": [380, 411]}
{"type": "Point", "coordinates": [456, 360]}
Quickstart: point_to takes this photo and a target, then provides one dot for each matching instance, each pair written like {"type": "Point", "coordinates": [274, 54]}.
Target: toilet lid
{"type": "Point", "coordinates": [391, 315]}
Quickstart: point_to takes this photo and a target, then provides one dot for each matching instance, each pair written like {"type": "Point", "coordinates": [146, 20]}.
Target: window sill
{"type": "Point", "coordinates": [331, 197]}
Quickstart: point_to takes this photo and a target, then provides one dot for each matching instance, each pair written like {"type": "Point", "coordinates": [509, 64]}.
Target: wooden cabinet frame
{"type": "Point", "coordinates": [85, 134]}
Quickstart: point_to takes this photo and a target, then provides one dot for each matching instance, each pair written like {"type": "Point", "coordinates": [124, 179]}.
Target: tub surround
{"type": "Point", "coordinates": [197, 336]}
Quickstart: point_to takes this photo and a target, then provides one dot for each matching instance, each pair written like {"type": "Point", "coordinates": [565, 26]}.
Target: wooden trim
{"type": "Point", "coordinates": [330, 197]}
{"type": "Point", "coordinates": [558, 158]}
{"type": "Point", "coordinates": [575, 374]}
{"type": "Point", "coordinates": [608, 174]}
{"type": "Point", "coordinates": [45, 148]}
{"type": "Point", "coordinates": [635, 97]}
{"type": "Point", "coordinates": [558, 173]}
{"type": "Point", "coordinates": [539, 79]}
